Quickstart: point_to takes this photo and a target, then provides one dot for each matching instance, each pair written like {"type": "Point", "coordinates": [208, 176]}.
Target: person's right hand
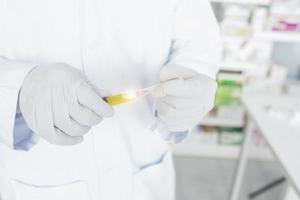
{"type": "Point", "coordinates": [60, 105]}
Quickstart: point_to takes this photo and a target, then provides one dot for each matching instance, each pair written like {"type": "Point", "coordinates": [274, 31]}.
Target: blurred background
{"type": "Point", "coordinates": [260, 69]}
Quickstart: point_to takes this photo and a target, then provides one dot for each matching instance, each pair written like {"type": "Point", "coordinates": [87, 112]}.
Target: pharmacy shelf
{"type": "Point", "coordinates": [272, 36]}
{"type": "Point", "coordinates": [237, 66]}
{"type": "Point", "coordinates": [244, 70]}
{"type": "Point", "coordinates": [286, 13]}
{"type": "Point", "coordinates": [232, 67]}
{"type": "Point", "coordinates": [287, 37]}
{"type": "Point", "coordinates": [246, 2]}
{"type": "Point", "coordinates": [240, 78]}
{"type": "Point", "coordinates": [222, 122]}
{"type": "Point", "coordinates": [235, 39]}
{"type": "Point", "coordinates": [192, 149]}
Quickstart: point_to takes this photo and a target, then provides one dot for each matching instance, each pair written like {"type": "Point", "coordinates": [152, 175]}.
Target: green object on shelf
{"type": "Point", "coordinates": [231, 136]}
{"type": "Point", "coordinates": [228, 93]}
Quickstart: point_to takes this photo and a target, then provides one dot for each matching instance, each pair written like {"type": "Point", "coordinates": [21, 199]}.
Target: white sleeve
{"type": "Point", "coordinates": [12, 74]}
{"type": "Point", "coordinates": [196, 38]}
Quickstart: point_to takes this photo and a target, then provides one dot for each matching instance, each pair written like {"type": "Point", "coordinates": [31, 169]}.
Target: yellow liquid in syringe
{"type": "Point", "coordinates": [118, 99]}
{"type": "Point", "coordinates": [125, 97]}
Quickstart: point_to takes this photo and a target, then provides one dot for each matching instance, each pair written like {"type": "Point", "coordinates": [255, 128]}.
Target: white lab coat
{"type": "Point", "coordinates": [119, 45]}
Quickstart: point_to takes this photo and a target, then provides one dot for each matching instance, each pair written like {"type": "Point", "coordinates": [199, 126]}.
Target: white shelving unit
{"type": "Point", "coordinates": [247, 2]}
{"type": "Point", "coordinates": [196, 146]}
{"type": "Point", "coordinates": [193, 149]}
{"type": "Point", "coordinates": [236, 66]}
{"type": "Point", "coordinates": [240, 78]}
{"type": "Point", "coordinates": [273, 36]}
{"type": "Point", "coordinates": [295, 13]}
{"type": "Point", "coordinates": [222, 122]}
{"type": "Point", "coordinates": [209, 151]}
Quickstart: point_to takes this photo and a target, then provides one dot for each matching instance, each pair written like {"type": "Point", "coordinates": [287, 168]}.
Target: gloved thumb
{"type": "Point", "coordinates": [101, 92]}
{"type": "Point", "coordinates": [176, 72]}
{"type": "Point", "coordinates": [88, 97]}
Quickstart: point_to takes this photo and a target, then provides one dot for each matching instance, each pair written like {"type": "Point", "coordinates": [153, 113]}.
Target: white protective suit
{"type": "Point", "coordinates": [119, 45]}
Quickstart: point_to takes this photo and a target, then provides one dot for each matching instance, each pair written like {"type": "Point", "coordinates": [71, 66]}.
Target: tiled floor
{"type": "Point", "coordinates": [210, 179]}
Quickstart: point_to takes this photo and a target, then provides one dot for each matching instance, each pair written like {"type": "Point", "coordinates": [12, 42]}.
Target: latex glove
{"type": "Point", "coordinates": [186, 97]}
{"type": "Point", "coordinates": [60, 105]}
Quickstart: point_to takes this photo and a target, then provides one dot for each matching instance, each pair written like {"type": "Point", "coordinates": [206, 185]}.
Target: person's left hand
{"type": "Point", "coordinates": [185, 98]}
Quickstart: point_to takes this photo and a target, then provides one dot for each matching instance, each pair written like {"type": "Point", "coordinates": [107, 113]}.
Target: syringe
{"type": "Point", "coordinates": [125, 97]}
{"type": "Point", "coordinates": [128, 96]}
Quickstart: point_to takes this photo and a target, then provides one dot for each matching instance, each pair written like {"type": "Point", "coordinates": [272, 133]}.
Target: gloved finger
{"type": "Point", "coordinates": [181, 103]}
{"type": "Point", "coordinates": [83, 115]}
{"type": "Point", "coordinates": [88, 98]}
{"type": "Point", "coordinates": [44, 125]}
{"type": "Point", "coordinates": [174, 72]}
{"type": "Point", "coordinates": [169, 112]}
{"type": "Point", "coordinates": [62, 138]}
{"type": "Point", "coordinates": [180, 120]}
{"type": "Point", "coordinates": [184, 107]}
{"type": "Point", "coordinates": [180, 124]}
{"type": "Point", "coordinates": [64, 121]}
{"type": "Point", "coordinates": [183, 88]}
{"type": "Point", "coordinates": [192, 87]}
{"type": "Point", "coordinates": [101, 92]}
{"type": "Point", "coordinates": [183, 125]}
{"type": "Point", "coordinates": [71, 127]}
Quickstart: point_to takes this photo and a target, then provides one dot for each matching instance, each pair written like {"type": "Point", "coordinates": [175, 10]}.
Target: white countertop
{"type": "Point", "coordinates": [282, 135]}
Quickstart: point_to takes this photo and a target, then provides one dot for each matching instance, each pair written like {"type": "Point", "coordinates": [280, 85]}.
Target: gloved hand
{"type": "Point", "coordinates": [186, 96]}
{"type": "Point", "coordinates": [60, 105]}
